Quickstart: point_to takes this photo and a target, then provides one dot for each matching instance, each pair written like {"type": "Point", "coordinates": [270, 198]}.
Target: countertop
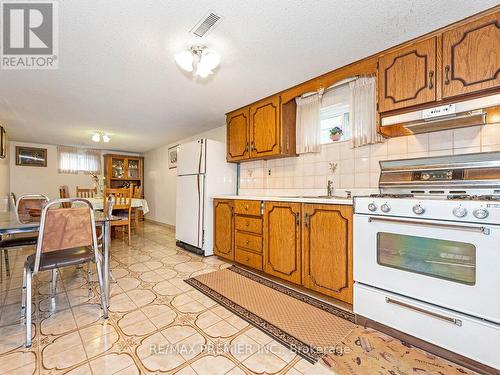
{"type": "Point", "coordinates": [299, 199]}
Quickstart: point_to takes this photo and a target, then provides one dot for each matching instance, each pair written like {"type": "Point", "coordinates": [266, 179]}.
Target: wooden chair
{"type": "Point", "coordinates": [122, 208]}
{"type": "Point", "coordinates": [85, 192]}
{"type": "Point", "coordinates": [136, 212]}
{"type": "Point", "coordinates": [67, 237]}
{"type": "Point", "coordinates": [63, 194]}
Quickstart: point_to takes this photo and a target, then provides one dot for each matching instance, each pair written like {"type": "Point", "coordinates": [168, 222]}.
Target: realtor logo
{"type": "Point", "coordinates": [29, 35]}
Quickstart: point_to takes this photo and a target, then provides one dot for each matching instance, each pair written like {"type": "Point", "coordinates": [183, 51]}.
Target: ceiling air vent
{"type": "Point", "coordinates": [206, 25]}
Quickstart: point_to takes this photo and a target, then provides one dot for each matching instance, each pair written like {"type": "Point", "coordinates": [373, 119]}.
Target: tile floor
{"type": "Point", "coordinates": [157, 323]}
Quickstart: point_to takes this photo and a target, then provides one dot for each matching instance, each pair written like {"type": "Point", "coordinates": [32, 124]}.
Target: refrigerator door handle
{"type": "Point", "coordinates": [199, 203]}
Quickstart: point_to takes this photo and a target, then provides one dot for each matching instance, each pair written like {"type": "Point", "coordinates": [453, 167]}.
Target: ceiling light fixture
{"type": "Point", "coordinates": [96, 137]}
{"type": "Point", "coordinates": [198, 59]}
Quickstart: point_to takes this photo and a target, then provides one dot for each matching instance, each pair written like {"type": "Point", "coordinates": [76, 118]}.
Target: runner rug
{"type": "Point", "coordinates": [308, 326]}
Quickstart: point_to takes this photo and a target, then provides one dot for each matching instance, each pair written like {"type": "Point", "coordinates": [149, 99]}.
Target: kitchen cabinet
{"type": "Point", "coordinates": [327, 250]}
{"type": "Point", "coordinates": [303, 243]}
{"type": "Point", "coordinates": [407, 77]}
{"type": "Point", "coordinates": [282, 247]}
{"type": "Point", "coordinates": [123, 171]}
{"type": "Point", "coordinates": [223, 228]}
{"type": "Point", "coordinates": [263, 130]}
{"type": "Point", "coordinates": [238, 133]}
{"type": "Point", "coordinates": [471, 56]}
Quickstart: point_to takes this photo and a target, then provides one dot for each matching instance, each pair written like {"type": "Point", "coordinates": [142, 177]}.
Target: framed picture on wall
{"type": "Point", "coordinates": [3, 143]}
{"type": "Point", "coordinates": [172, 157]}
{"type": "Point", "coordinates": [31, 156]}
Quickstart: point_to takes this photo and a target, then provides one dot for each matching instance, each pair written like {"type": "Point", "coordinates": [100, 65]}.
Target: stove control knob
{"type": "Point", "coordinates": [481, 213]}
{"type": "Point", "coordinates": [385, 208]}
{"type": "Point", "coordinates": [459, 211]}
{"type": "Point", "coordinates": [372, 207]}
{"type": "Point", "coordinates": [418, 209]}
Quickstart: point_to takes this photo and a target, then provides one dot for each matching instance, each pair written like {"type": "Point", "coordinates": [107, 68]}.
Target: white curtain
{"type": "Point", "coordinates": [74, 160]}
{"type": "Point", "coordinates": [363, 112]}
{"type": "Point", "coordinates": [308, 123]}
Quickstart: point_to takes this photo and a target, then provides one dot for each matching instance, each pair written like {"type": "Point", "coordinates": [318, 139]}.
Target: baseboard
{"type": "Point", "coordinates": [428, 347]}
{"type": "Point", "coordinates": [160, 223]}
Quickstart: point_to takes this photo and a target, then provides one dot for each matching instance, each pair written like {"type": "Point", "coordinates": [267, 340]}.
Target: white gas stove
{"type": "Point", "coordinates": [427, 252]}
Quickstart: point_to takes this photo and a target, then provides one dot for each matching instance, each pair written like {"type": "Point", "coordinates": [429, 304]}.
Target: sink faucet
{"type": "Point", "coordinates": [348, 193]}
{"type": "Point", "coordinates": [329, 188]}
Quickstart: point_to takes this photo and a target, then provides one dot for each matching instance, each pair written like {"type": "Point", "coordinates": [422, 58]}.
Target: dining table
{"type": "Point", "coordinates": [13, 223]}
{"type": "Point", "coordinates": [139, 203]}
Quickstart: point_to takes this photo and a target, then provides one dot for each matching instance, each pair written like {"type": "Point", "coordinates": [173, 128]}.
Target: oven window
{"type": "Point", "coordinates": [449, 260]}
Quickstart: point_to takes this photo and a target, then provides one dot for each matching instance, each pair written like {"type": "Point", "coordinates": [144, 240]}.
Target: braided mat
{"type": "Point", "coordinates": [304, 324]}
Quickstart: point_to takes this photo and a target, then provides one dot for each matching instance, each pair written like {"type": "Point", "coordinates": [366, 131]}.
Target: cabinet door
{"type": "Point", "coordinates": [223, 229]}
{"type": "Point", "coordinates": [118, 167]}
{"type": "Point", "coordinates": [282, 255]}
{"type": "Point", "coordinates": [471, 57]}
{"type": "Point", "coordinates": [327, 250]}
{"type": "Point", "coordinates": [265, 128]}
{"type": "Point", "coordinates": [407, 77]}
{"type": "Point", "coordinates": [133, 169]}
{"type": "Point", "coordinates": [238, 132]}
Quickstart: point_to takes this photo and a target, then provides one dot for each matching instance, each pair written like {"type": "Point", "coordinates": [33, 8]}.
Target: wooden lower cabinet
{"type": "Point", "coordinates": [327, 250]}
{"type": "Point", "coordinates": [306, 244]}
{"type": "Point", "coordinates": [224, 228]}
{"type": "Point", "coordinates": [282, 255]}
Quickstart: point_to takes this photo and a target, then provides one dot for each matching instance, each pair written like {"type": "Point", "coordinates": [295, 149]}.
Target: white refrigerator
{"type": "Point", "coordinates": [202, 173]}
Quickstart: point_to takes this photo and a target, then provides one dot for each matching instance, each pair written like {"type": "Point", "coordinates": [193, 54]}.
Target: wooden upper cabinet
{"type": "Point", "coordinates": [327, 250]}
{"type": "Point", "coordinates": [223, 229]}
{"type": "Point", "coordinates": [282, 254]}
{"type": "Point", "coordinates": [238, 132]}
{"type": "Point", "coordinates": [407, 77]}
{"type": "Point", "coordinates": [471, 57]}
{"type": "Point", "coordinates": [265, 128]}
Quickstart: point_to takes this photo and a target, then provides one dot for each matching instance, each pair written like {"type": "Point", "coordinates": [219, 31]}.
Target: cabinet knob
{"type": "Point", "coordinates": [247, 224]}
{"type": "Point", "coordinates": [246, 207]}
{"type": "Point", "coordinates": [247, 242]}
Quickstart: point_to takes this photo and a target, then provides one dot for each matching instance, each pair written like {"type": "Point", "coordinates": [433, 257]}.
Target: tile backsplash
{"type": "Point", "coordinates": [358, 169]}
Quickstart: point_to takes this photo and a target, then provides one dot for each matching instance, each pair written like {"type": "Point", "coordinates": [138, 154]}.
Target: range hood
{"type": "Point", "coordinates": [450, 116]}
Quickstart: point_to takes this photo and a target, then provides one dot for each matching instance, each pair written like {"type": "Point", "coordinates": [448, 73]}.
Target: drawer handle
{"type": "Point", "coordinates": [247, 259]}
{"type": "Point", "coordinates": [247, 224]}
{"type": "Point", "coordinates": [247, 242]}
{"type": "Point", "coordinates": [448, 319]}
{"type": "Point", "coordinates": [246, 206]}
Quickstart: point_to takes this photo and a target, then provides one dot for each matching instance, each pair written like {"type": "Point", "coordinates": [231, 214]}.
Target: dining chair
{"type": "Point", "coordinates": [85, 192]}
{"type": "Point", "coordinates": [122, 209]}
{"type": "Point", "coordinates": [136, 212]}
{"type": "Point", "coordinates": [22, 207]}
{"type": "Point", "coordinates": [67, 237]}
{"type": "Point", "coordinates": [63, 194]}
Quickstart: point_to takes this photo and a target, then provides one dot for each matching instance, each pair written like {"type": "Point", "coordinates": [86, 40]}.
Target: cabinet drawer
{"type": "Point", "coordinates": [248, 258]}
{"type": "Point", "coordinates": [248, 224]}
{"type": "Point", "coordinates": [247, 207]}
{"type": "Point", "coordinates": [249, 241]}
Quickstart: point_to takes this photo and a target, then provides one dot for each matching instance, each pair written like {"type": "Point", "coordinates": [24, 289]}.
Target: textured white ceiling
{"type": "Point", "coordinates": [117, 73]}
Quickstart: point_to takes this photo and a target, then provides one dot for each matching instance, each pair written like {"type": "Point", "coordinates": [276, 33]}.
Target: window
{"type": "Point", "coordinates": [74, 160]}
{"type": "Point", "coordinates": [334, 112]}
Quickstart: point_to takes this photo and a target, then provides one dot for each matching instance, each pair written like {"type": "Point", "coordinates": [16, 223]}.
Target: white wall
{"type": "Point", "coordinates": [358, 169]}
{"type": "Point", "coordinates": [160, 182]}
{"type": "Point", "coordinates": [45, 180]}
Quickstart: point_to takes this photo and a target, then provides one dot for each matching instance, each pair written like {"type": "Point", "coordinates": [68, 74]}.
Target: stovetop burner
{"type": "Point", "coordinates": [387, 195]}
{"type": "Point", "coordinates": [467, 197]}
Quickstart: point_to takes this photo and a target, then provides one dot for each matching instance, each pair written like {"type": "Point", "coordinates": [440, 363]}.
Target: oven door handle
{"type": "Point", "coordinates": [469, 228]}
{"type": "Point", "coordinates": [448, 319]}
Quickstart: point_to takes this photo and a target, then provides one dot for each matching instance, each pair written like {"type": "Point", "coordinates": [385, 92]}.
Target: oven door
{"type": "Point", "coordinates": [453, 265]}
